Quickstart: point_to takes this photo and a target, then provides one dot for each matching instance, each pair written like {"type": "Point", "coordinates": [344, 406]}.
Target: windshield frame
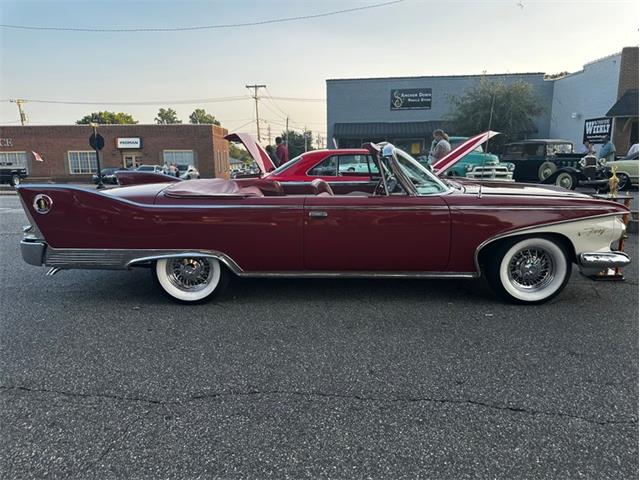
{"type": "Point", "coordinates": [407, 184]}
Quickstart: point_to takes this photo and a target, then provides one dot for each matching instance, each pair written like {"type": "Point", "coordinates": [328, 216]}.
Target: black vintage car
{"type": "Point", "coordinates": [109, 175]}
{"type": "Point", "coordinates": [553, 161]}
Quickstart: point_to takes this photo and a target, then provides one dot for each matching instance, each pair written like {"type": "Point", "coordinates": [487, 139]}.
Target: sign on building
{"type": "Point", "coordinates": [411, 99]}
{"type": "Point", "coordinates": [131, 142]}
{"type": "Point", "coordinates": [595, 129]}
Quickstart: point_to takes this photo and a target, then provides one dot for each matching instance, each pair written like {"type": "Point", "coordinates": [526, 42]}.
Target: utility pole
{"type": "Point", "coordinates": [286, 132]}
{"type": "Point", "coordinates": [305, 138]}
{"type": "Point", "coordinates": [23, 116]}
{"type": "Point", "coordinates": [269, 133]}
{"type": "Point", "coordinates": [255, 97]}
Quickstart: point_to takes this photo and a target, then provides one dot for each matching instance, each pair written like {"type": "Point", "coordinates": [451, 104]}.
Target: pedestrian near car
{"type": "Point", "coordinates": [587, 148]}
{"type": "Point", "coordinates": [272, 155]}
{"type": "Point", "coordinates": [608, 150]}
{"type": "Point", "coordinates": [282, 151]}
{"type": "Point", "coordinates": [440, 146]}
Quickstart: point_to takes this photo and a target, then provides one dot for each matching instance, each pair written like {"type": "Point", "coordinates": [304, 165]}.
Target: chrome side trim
{"type": "Point", "coordinates": [61, 258]}
{"type": "Point", "coordinates": [494, 207]}
{"type": "Point", "coordinates": [519, 231]}
{"type": "Point", "coordinates": [316, 274]}
{"type": "Point", "coordinates": [375, 207]}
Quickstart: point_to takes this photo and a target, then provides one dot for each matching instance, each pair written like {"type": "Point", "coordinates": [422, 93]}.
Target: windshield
{"type": "Point", "coordinates": [284, 166]}
{"type": "Point", "coordinates": [424, 181]}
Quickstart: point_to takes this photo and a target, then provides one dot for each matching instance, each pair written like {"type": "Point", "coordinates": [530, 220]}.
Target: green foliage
{"type": "Point", "coordinates": [167, 117]}
{"type": "Point", "coordinates": [107, 118]}
{"type": "Point", "coordinates": [296, 142]}
{"type": "Point", "coordinates": [240, 154]}
{"type": "Point", "coordinates": [199, 115]}
{"type": "Point", "coordinates": [514, 108]}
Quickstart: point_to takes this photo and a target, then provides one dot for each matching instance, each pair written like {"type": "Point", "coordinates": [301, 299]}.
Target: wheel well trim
{"type": "Point", "coordinates": [526, 230]}
{"type": "Point", "coordinates": [225, 259]}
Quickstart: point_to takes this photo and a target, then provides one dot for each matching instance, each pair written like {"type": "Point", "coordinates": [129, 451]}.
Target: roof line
{"type": "Point", "coordinates": [435, 76]}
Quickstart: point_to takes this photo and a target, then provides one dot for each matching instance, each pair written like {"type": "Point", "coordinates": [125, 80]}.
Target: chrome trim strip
{"type": "Point", "coordinates": [317, 274]}
{"type": "Point", "coordinates": [519, 231]}
{"type": "Point", "coordinates": [375, 207]}
{"type": "Point", "coordinates": [73, 258]}
{"type": "Point", "coordinates": [495, 207]}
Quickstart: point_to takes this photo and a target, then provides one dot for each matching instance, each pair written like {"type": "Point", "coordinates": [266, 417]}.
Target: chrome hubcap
{"type": "Point", "coordinates": [531, 269]}
{"type": "Point", "coordinates": [565, 181]}
{"type": "Point", "coordinates": [189, 274]}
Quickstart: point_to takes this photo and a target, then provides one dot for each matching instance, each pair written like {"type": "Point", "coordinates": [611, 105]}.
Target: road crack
{"type": "Point", "coordinates": [355, 397]}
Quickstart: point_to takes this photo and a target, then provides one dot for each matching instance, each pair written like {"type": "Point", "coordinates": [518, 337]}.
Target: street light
{"type": "Point", "coordinates": [97, 142]}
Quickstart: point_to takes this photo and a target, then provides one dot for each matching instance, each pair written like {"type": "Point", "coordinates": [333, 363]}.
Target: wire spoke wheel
{"type": "Point", "coordinates": [190, 279]}
{"type": "Point", "coordinates": [189, 274]}
{"type": "Point", "coordinates": [531, 269]}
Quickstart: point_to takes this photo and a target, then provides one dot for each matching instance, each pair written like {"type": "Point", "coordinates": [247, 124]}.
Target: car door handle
{"type": "Point", "coordinates": [318, 214]}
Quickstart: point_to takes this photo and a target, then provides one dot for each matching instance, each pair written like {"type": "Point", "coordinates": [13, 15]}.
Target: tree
{"type": "Point", "coordinates": [511, 109]}
{"type": "Point", "coordinates": [296, 142]}
{"type": "Point", "coordinates": [107, 118]}
{"type": "Point", "coordinates": [167, 117]}
{"type": "Point", "coordinates": [240, 153]}
{"type": "Point", "coordinates": [199, 115]}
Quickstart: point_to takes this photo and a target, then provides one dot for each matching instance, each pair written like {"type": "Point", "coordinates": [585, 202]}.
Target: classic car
{"type": "Point", "coordinates": [108, 175]}
{"type": "Point", "coordinates": [345, 169]}
{"type": "Point", "coordinates": [553, 161]}
{"type": "Point", "coordinates": [479, 164]}
{"type": "Point", "coordinates": [193, 235]}
{"type": "Point", "coordinates": [13, 167]}
{"type": "Point", "coordinates": [626, 170]}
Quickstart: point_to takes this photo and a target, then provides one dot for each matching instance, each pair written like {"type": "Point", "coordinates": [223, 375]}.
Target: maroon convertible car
{"type": "Point", "coordinates": [193, 235]}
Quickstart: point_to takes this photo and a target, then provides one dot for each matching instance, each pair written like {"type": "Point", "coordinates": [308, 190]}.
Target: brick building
{"type": "Point", "coordinates": [68, 157]}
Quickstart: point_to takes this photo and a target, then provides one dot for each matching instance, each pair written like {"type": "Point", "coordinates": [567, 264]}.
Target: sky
{"type": "Point", "coordinates": [409, 38]}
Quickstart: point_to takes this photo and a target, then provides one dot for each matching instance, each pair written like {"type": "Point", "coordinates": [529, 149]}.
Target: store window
{"type": "Point", "coordinates": [82, 162]}
{"type": "Point", "coordinates": [182, 158]}
{"type": "Point", "coordinates": [13, 159]}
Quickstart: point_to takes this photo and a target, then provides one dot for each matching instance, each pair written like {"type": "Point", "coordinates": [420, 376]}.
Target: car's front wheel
{"type": "Point", "coordinates": [191, 279]}
{"type": "Point", "coordinates": [529, 271]}
{"type": "Point", "coordinates": [15, 180]}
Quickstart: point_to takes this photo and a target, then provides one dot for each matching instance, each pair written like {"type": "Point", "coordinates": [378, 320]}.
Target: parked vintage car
{"type": "Point", "coordinates": [552, 161]}
{"type": "Point", "coordinates": [193, 235]}
{"type": "Point", "coordinates": [479, 164]}
{"type": "Point", "coordinates": [109, 175]}
{"type": "Point", "coordinates": [188, 172]}
{"type": "Point", "coordinates": [627, 171]}
{"type": "Point", "coordinates": [345, 169]}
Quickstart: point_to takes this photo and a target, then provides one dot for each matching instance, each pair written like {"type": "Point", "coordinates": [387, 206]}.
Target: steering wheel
{"type": "Point", "coordinates": [392, 183]}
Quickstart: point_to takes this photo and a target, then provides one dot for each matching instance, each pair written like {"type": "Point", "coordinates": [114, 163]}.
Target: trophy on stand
{"type": "Point", "coordinates": [613, 182]}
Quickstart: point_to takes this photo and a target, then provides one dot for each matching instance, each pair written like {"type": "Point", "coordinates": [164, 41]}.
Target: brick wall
{"type": "Point", "coordinates": [52, 143]}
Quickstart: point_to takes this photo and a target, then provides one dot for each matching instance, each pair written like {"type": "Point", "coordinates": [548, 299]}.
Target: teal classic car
{"type": "Point", "coordinates": [479, 164]}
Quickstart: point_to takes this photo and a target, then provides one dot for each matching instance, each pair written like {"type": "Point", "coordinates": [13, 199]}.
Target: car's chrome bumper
{"type": "Point", "coordinates": [33, 251]}
{"type": "Point", "coordinates": [602, 260]}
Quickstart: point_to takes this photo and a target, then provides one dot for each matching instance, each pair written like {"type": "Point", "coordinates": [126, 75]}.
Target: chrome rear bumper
{"type": "Point", "coordinates": [32, 251]}
{"type": "Point", "coordinates": [602, 260]}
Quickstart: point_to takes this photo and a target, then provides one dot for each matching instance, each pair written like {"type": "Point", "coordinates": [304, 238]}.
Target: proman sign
{"type": "Point", "coordinates": [595, 129]}
{"type": "Point", "coordinates": [131, 142]}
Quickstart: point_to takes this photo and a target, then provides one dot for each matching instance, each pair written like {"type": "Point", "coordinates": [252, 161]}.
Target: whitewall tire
{"type": "Point", "coordinates": [530, 270]}
{"type": "Point", "coordinates": [190, 279]}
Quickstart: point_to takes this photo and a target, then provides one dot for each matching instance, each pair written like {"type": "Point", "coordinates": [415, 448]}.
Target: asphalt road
{"type": "Point", "coordinates": [102, 377]}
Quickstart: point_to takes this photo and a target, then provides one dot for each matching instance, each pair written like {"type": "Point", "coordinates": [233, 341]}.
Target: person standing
{"type": "Point", "coordinates": [272, 155]}
{"type": "Point", "coordinates": [282, 151]}
{"type": "Point", "coordinates": [440, 146]}
{"type": "Point", "coordinates": [608, 150]}
{"type": "Point", "coordinates": [587, 148]}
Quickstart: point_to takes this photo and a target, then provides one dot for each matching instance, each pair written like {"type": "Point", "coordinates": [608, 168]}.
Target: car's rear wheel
{"type": "Point", "coordinates": [191, 279]}
{"type": "Point", "coordinates": [528, 271]}
{"type": "Point", "coordinates": [566, 180]}
{"type": "Point", "coordinates": [546, 170]}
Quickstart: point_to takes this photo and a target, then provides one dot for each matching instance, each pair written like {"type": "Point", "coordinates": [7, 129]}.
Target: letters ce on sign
{"type": "Point", "coordinates": [595, 129]}
{"type": "Point", "coordinates": [411, 99]}
{"type": "Point", "coordinates": [130, 142]}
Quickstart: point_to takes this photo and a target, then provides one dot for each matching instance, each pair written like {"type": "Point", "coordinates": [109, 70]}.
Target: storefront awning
{"type": "Point", "coordinates": [387, 129]}
{"type": "Point", "coordinates": [626, 106]}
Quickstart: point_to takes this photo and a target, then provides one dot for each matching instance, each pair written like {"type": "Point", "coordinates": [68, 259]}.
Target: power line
{"type": "Point", "coordinates": [200, 27]}
{"type": "Point", "coordinates": [146, 102]}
